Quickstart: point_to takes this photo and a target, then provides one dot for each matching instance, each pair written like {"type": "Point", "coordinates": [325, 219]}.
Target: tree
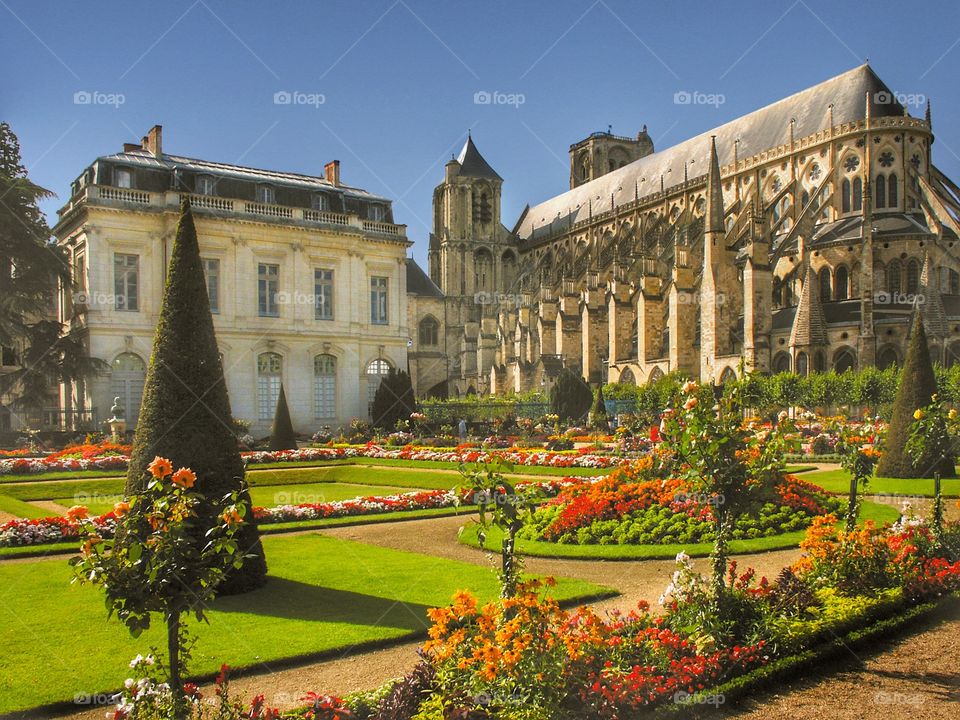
{"type": "Point", "coordinates": [570, 397]}
{"type": "Point", "coordinates": [394, 400]}
{"type": "Point", "coordinates": [157, 566]}
{"type": "Point", "coordinates": [185, 413]}
{"type": "Point", "coordinates": [282, 436]}
{"type": "Point", "coordinates": [918, 385]}
{"type": "Point", "coordinates": [598, 412]}
{"type": "Point", "coordinates": [47, 355]}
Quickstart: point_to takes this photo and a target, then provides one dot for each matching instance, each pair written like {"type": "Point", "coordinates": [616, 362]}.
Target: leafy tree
{"type": "Point", "coordinates": [48, 355]}
{"type": "Point", "coordinates": [918, 385]}
{"type": "Point", "coordinates": [157, 566]}
{"type": "Point", "coordinates": [185, 414]}
{"type": "Point", "coordinates": [394, 400]}
{"type": "Point", "coordinates": [570, 397]}
{"type": "Point", "coordinates": [282, 436]}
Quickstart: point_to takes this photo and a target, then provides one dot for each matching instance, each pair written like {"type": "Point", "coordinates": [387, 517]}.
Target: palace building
{"type": "Point", "coordinates": [306, 278]}
{"type": "Point", "coordinates": [797, 237]}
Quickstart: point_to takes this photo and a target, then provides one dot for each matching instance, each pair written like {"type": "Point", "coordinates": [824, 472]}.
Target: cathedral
{"type": "Point", "coordinates": [799, 237]}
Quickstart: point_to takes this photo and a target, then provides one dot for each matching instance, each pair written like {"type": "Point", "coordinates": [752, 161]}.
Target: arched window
{"type": "Point", "coordinates": [819, 361]}
{"type": "Point", "coordinates": [781, 363]}
{"type": "Point", "coordinates": [913, 276]}
{"type": "Point", "coordinates": [429, 332]}
{"type": "Point", "coordinates": [127, 375]}
{"type": "Point", "coordinates": [880, 192]}
{"type": "Point", "coordinates": [953, 354]}
{"type": "Point", "coordinates": [844, 360]}
{"type": "Point", "coordinates": [508, 265]}
{"type": "Point", "coordinates": [824, 277]}
{"type": "Point", "coordinates": [801, 363]}
{"type": "Point", "coordinates": [376, 371]}
{"type": "Point", "coordinates": [324, 387]}
{"type": "Point", "coordinates": [845, 202]}
{"type": "Point", "coordinates": [887, 358]}
{"type": "Point", "coordinates": [857, 194]}
{"type": "Point", "coordinates": [841, 283]}
{"type": "Point", "coordinates": [894, 271]}
{"type": "Point", "coordinates": [483, 271]}
{"type": "Point", "coordinates": [627, 377]}
{"type": "Point", "coordinates": [893, 194]}
{"type": "Point", "coordinates": [269, 378]}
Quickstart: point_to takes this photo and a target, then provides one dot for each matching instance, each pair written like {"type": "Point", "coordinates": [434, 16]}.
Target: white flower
{"type": "Point", "coordinates": [782, 416]}
{"type": "Point", "coordinates": [129, 683]}
{"type": "Point", "coordinates": [683, 558]}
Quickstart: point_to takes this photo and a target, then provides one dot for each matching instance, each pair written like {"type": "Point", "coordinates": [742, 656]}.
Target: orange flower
{"type": "Point", "coordinates": [121, 508]}
{"type": "Point", "coordinates": [184, 477]}
{"type": "Point", "coordinates": [160, 467]}
{"type": "Point", "coordinates": [91, 543]}
{"type": "Point", "coordinates": [231, 516]}
{"type": "Point", "coordinates": [77, 512]}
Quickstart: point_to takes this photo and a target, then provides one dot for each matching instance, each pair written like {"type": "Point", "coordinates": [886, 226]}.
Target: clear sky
{"type": "Point", "coordinates": [390, 87]}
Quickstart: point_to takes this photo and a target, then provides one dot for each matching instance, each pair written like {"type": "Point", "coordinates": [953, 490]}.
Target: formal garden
{"type": "Point", "coordinates": [142, 573]}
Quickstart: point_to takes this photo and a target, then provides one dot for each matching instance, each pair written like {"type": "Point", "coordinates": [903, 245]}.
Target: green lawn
{"type": "Point", "coordinates": [539, 548]}
{"type": "Point", "coordinates": [324, 595]}
{"type": "Point", "coordinates": [838, 481]}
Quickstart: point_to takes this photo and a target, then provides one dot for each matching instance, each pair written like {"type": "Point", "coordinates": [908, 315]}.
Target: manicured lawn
{"type": "Point", "coordinates": [838, 481]}
{"type": "Point", "coordinates": [324, 594]}
{"type": "Point", "coordinates": [538, 548]}
{"type": "Point", "coordinates": [22, 509]}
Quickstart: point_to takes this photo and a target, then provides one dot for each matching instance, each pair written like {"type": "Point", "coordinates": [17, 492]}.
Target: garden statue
{"type": "Point", "coordinates": [117, 421]}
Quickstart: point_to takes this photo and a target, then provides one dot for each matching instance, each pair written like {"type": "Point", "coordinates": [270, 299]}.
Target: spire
{"type": "Point", "coordinates": [928, 116]}
{"type": "Point", "coordinates": [472, 163]}
{"type": "Point", "coordinates": [809, 325]}
{"type": "Point", "coordinates": [714, 210]}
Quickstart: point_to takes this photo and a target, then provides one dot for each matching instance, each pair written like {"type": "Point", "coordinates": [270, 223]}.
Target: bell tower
{"type": "Point", "coordinates": [604, 152]}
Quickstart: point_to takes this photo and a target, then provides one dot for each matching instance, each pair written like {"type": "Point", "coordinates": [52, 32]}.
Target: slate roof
{"type": "Point", "coordinates": [472, 163]}
{"type": "Point", "coordinates": [172, 162]}
{"type": "Point", "coordinates": [760, 130]}
{"type": "Point", "coordinates": [419, 283]}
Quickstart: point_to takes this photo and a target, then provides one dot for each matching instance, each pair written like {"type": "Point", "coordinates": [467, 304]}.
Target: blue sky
{"type": "Point", "coordinates": [398, 80]}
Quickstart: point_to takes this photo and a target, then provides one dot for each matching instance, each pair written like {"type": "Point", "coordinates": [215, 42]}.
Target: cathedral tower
{"type": "Point", "coordinates": [604, 152]}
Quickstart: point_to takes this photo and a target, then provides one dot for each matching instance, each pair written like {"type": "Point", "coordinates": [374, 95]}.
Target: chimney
{"type": "Point", "coordinates": [331, 171]}
{"type": "Point", "coordinates": [132, 147]}
{"type": "Point", "coordinates": [153, 141]}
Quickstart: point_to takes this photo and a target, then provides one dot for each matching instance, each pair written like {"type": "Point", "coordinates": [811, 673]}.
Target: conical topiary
{"type": "Point", "coordinates": [394, 400]}
{"type": "Point", "coordinates": [282, 436]}
{"type": "Point", "coordinates": [570, 397]}
{"type": "Point", "coordinates": [917, 386]}
{"type": "Point", "coordinates": [598, 412]}
{"type": "Point", "coordinates": [185, 413]}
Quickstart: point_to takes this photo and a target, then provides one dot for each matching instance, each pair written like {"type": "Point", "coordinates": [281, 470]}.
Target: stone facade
{"type": "Point", "coordinates": [307, 281]}
{"type": "Point", "coordinates": [797, 237]}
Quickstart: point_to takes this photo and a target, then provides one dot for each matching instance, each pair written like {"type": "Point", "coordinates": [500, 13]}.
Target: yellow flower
{"type": "Point", "coordinates": [952, 414]}
{"type": "Point", "coordinates": [918, 414]}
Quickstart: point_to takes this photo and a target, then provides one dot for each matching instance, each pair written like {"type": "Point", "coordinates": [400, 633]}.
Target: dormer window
{"type": "Point", "coordinates": [320, 202]}
{"type": "Point", "coordinates": [204, 185]}
{"type": "Point", "coordinates": [122, 178]}
{"type": "Point", "coordinates": [266, 194]}
{"type": "Point", "coordinates": [377, 213]}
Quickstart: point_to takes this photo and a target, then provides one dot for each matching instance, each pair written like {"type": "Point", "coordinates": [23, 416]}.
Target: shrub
{"type": "Point", "coordinates": [394, 401]}
{"type": "Point", "coordinates": [570, 397]}
{"type": "Point", "coordinates": [282, 436]}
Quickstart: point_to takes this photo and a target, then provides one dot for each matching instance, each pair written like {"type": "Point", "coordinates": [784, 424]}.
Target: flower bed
{"type": "Point", "coordinates": [630, 506]}
{"type": "Point", "coordinates": [18, 533]}
{"type": "Point", "coordinates": [32, 466]}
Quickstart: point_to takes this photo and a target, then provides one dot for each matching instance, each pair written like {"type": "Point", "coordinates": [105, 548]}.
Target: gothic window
{"type": "Point", "coordinates": [845, 199]}
{"type": "Point", "coordinates": [825, 292]}
{"type": "Point", "coordinates": [429, 332]}
{"type": "Point", "coordinates": [892, 191]}
{"type": "Point", "coordinates": [953, 354]}
{"type": "Point", "coordinates": [819, 362]}
{"type": "Point", "coordinates": [893, 277]}
{"type": "Point", "coordinates": [844, 360]}
{"type": "Point", "coordinates": [627, 377]}
{"type": "Point", "coordinates": [915, 160]}
{"type": "Point", "coordinates": [841, 283]}
{"type": "Point", "coordinates": [482, 211]}
{"type": "Point", "coordinates": [483, 270]}
{"type": "Point", "coordinates": [781, 363]}
{"type": "Point", "coordinates": [887, 358]}
{"type": "Point", "coordinates": [815, 172]}
{"type": "Point", "coordinates": [508, 264]}
{"type": "Point", "coordinates": [801, 363]}
{"type": "Point", "coordinates": [880, 191]}
{"type": "Point", "coordinates": [851, 163]}
{"type": "Point", "coordinates": [857, 194]}
{"type": "Point", "coordinates": [886, 159]}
